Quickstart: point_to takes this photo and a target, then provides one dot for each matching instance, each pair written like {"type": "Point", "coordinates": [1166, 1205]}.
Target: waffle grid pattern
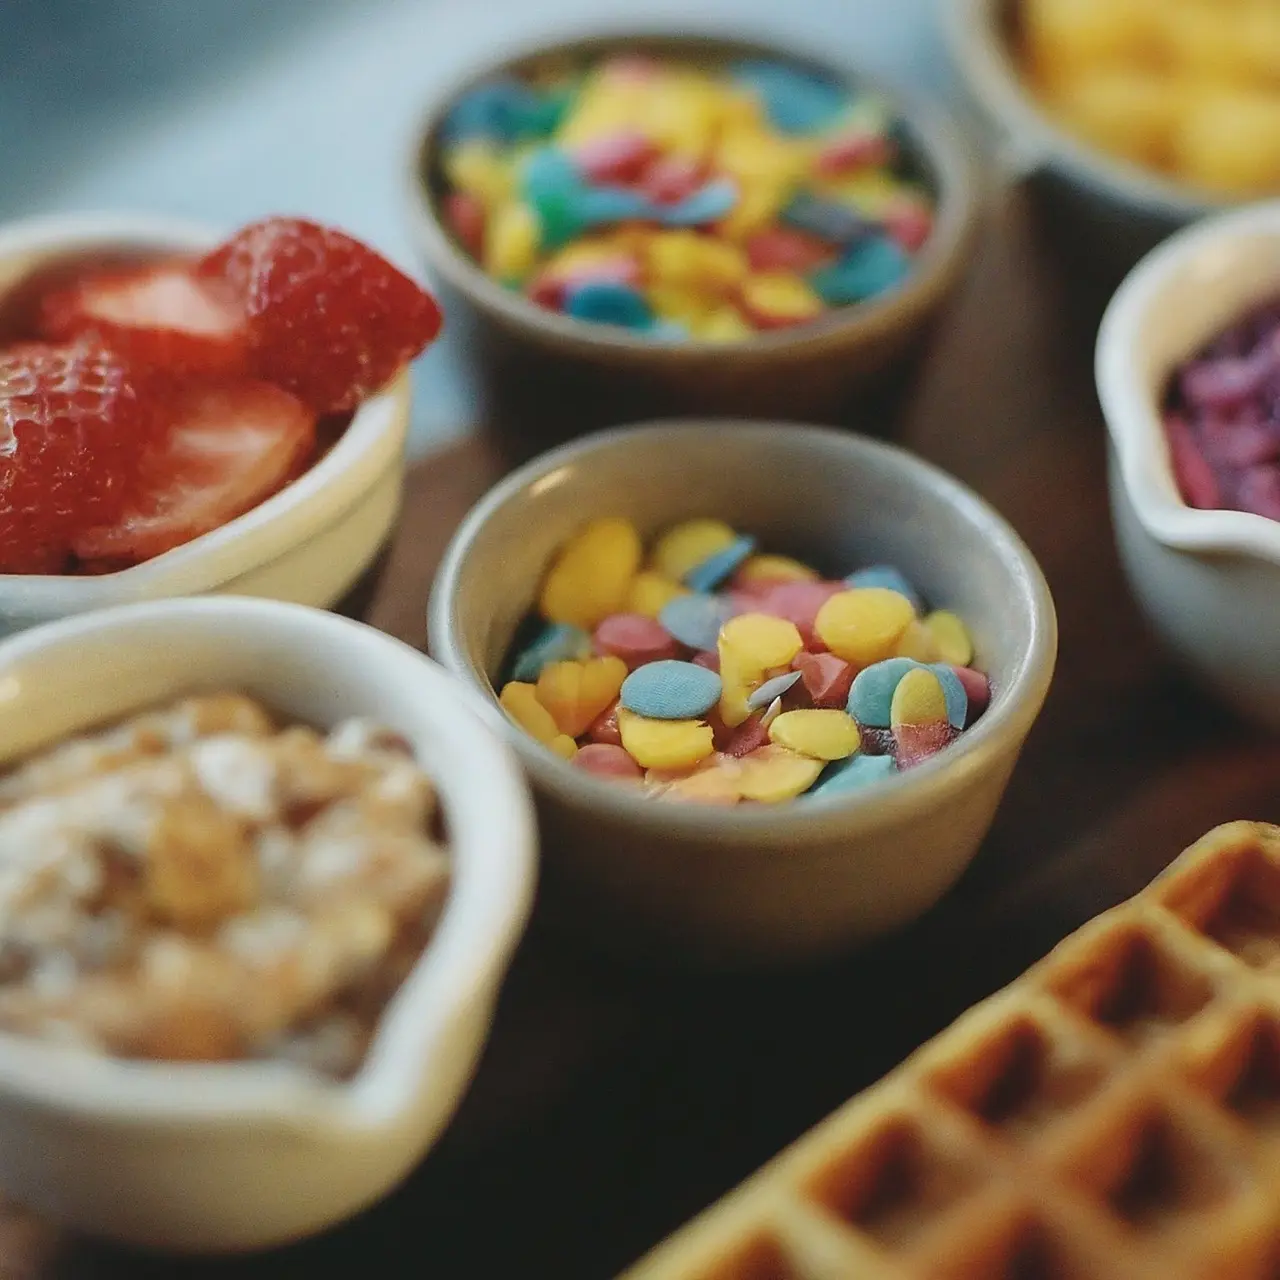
{"type": "Point", "coordinates": [1115, 1112]}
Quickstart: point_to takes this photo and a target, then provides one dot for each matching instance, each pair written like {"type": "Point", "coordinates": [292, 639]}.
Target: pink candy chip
{"type": "Point", "coordinates": [748, 737]}
{"type": "Point", "coordinates": [669, 179]}
{"type": "Point", "coordinates": [604, 728]}
{"type": "Point", "coordinates": [978, 689]}
{"type": "Point", "coordinates": [1194, 474]}
{"type": "Point", "coordinates": [615, 157]}
{"type": "Point", "coordinates": [1259, 491]}
{"type": "Point", "coordinates": [917, 742]}
{"type": "Point", "coordinates": [798, 602]}
{"type": "Point", "coordinates": [608, 761]}
{"type": "Point", "coordinates": [826, 679]}
{"type": "Point", "coordinates": [708, 658]}
{"type": "Point", "coordinates": [853, 151]}
{"type": "Point", "coordinates": [635, 639]}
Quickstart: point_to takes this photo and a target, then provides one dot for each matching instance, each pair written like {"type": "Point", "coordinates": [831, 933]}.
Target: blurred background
{"type": "Point", "coordinates": [228, 109]}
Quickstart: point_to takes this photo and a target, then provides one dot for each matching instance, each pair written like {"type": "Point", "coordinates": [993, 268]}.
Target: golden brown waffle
{"type": "Point", "coordinates": [1115, 1112]}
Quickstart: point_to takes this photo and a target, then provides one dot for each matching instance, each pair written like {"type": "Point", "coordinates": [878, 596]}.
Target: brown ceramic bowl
{"type": "Point", "coordinates": [768, 883]}
{"type": "Point", "coordinates": [584, 375]}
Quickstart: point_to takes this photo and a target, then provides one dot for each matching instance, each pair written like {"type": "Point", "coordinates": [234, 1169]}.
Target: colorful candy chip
{"type": "Point", "coordinates": [555, 642]}
{"type": "Point", "coordinates": [651, 591]}
{"type": "Point", "coordinates": [718, 566]}
{"type": "Point", "coordinates": [872, 690]}
{"type": "Point", "coordinates": [768, 569]}
{"type": "Point", "coordinates": [955, 645]}
{"type": "Point", "coordinates": [873, 266]}
{"type": "Point", "coordinates": [918, 716]}
{"type": "Point", "coordinates": [864, 624]}
{"type": "Point", "coordinates": [605, 760]}
{"type": "Point", "coordinates": [664, 744]}
{"type": "Point", "coordinates": [854, 774]}
{"type": "Point", "coordinates": [827, 679]}
{"type": "Point", "coordinates": [821, 735]}
{"type": "Point", "coordinates": [685, 546]}
{"type": "Point", "coordinates": [635, 638]}
{"type": "Point", "coordinates": [771, 689]}
{"type": "Point", "coordinates": [592, 575]}
{"type": "Point", "coordinates": [520, 702]}
{"type": "Point", "coordinates": [772, 774]}
{"type": "Point", "coordinates": [695, 619]}
{"type": "Point", "coordinates": [671, 690]}
{"type": "Point", "coordinates": [576, 693]}
{"type": "Point", "coordinates": [886, 575]}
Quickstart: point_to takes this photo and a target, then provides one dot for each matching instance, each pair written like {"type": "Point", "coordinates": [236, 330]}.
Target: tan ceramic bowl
{"type": "Point", "coordinates": [759, 884]}
{"type": "Point", "coordinates": [596, 375]}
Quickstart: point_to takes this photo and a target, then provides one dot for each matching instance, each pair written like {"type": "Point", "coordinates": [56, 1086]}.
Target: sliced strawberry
{"type": "Point", "coordinates": [224, 449]}
{"type": "Point", "coordinates": [329, 320]}
{"type": "Point", "coordinates": [72, 430]}
{"type": "Point", "coordinates": [163, 315]}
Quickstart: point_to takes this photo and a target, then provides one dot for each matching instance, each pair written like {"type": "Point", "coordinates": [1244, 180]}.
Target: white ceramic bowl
{"type": "Point", "coordinates": [1208, 580]}
{"type": "Point", "coordinates": [235, 1156]}
{"type": "Point", "coordinates": [309, 543]}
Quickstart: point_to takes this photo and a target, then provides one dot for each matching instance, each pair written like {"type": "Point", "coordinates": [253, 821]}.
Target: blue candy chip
{"type": "Point", "coordinates": [710, 203]}
{"type": "Point", "coordinates": [670, 690]}
{"type": "Point", "coordinates": [598, 206]}
{"type": "Point", "coordinates": [771, 689]}
{"type": "Point", "coordinates": [871, 693]}
{"type": "Point", "coordinates": [853, 774]}
{"type": "Point", "coordinates": [708, 575]}
{"type": "Point", "coordinates": [885, 575]}
{"type": "Point", "coordinates": [502, 110]}
{"type": "Point", "coordinates": [954, 692]}
{"type": "Point", "coordinates": [797, 101]}
{"type": "Point", "coordinates": [869, 267]}
{"type": "Point", "coordinates": [608, 302]}
{"type": "Point", "coordinates": [827, 219]}
{"type": "Point", "coordinates": [556, 642]}
{"type": "Point", "coordinates": [694, 620]}
{"type": "Point", "coordinates": [546, 172]}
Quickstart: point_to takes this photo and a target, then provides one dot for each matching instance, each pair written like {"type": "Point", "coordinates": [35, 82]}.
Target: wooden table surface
{"type": "Point", "coordinates": [613, 1104]}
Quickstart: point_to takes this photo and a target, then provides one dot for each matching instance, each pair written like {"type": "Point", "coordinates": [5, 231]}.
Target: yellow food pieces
{"type": "Point", "coordinates": [664, 744]}
{"type": "Point", "coordinates": [592, 575]}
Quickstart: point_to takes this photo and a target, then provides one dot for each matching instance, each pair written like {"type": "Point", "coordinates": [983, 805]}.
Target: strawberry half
{"type": "Point", "coordinates": [162, 315]}
{"type": "Point", "coordinates": [222, 450]}
{"type": "Point", "coordinates": [72, 430]}
{"type": "Point", "coordinates": [329, 320]}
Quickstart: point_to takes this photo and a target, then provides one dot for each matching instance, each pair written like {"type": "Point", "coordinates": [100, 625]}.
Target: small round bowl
{"type": "Point", "coordinates": [1122, 210]}
{"type": "Point", "coordinates": [752, 885]}
{"type": "Point", "coordinates": [1208, 580]}
{"type": "Point", "coordinates": [596, 375]}
{"type": "Point", "coordinates": [310, 543]}
{"type": "Point", "coordinates": [232, 1156]}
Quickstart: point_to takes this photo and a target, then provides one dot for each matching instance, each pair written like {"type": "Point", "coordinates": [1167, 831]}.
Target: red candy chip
{"type": "Point", "coordinates": [785, 249]}
{"type": "Point", "coordinates": [917, 742]}
{"type": "Point", "coordinates": [547, 290]}
{"type": "Point", "coordinates": [826, 679]}
{"type": "Point", "coordinates": [708, 658]}
{"type": "Point", "coordinates": [466, 218]}
{"type": "Point", "coordinates": [1260, 491]}
{"type": "Point", "coordinates": [853, 151]}
{"type": "Point", "coordinates": [670, 178]}
{"type": "Point", "coordinates": [1195, 476]}
{"type": "Point", "coordinates": [616, 157]}
{"type": "Point", "coordinates": [910, 224]}
{"type": "Point", "coordinates": [799, 602]}
{"type": "Point", "coordinates": [978, 689]}
{"type": "Point", "coordinates": [606, 760]}
{"type": "Point", "coordinates": [749, 735]}
{"type": "Point", "coordinates": [635, 639]}
{"type": "Point", "coordinates": [604, 728]}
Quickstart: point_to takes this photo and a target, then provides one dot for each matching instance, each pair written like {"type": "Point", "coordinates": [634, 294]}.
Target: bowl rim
{"type": "Point", "coordinates": [477, 933]}
{"type": "Point", "coordinates": [1014, 707]}
{"type": "Point", "coordinates": [1032, 140]}
{"type": "Point", "coordinates": [1130, 409]}
{"type": "Point", "coordinates": [944, 148]}
{"type": "Point", "coordinates": [368, 448]}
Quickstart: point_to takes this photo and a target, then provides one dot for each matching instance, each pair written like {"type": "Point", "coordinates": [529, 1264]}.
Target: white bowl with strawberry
{"type": "Point", "coordinates": [182, 413]}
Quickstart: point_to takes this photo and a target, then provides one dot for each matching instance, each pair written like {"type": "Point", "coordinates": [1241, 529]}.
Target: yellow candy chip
{"type": "Point", "coordinates": [584, 254]}
{"type": "Point", "coordinates": [768, 568]}
{"type": "Point", "coordinates": [687, 545]}
{"type": "Point", "coordinates": [511, 245]}
{"type": "Point", "coordinates": [520, 702]}
{"type": "Point", "coordinates": [687, 259]}
{"type": "Point", "coordinates": [781, 296]}
{"type": "Point", "coordinates": [754, 155]}
{"type": "Point", "coordinates": [664, 744]}
{"type": "Point", "coordinates": [475, 167]}
{"type": "Point", "coordinates": [724, 324]}
{"type": "Point", "coordinates": [918, 642]}
{"type": "Point", "coordinates": [759, 204]}
{"type": "Point", "coordinates": [592, 574]}
{"type": "Point", "coordinates": [733, 699]}
{"type": "Point", "coordinates": [577, 692]}
{"type": "Point", "coordinates": [680, 303]}
{"type": "Point", "coordinates": [918, 699]}
{"type": "Point", "coordinates": [756, 642]}
{"type": "Point", "coordinates": [869, 194]}
{"type": "Point", "coordinates": [864, 625]}
{"type": "Point", "coordinates": [820, 735]}
{"type": "Point", "coordinates": [951, 636]}
{"type": "Point", "coordinates": [772, 774]}
{"type": "Point", "coordinates": [715, 781]}
{"type": "Point", "coordinates": [564, 746]}
{"type": "Point", "coordinates": [650, 592]}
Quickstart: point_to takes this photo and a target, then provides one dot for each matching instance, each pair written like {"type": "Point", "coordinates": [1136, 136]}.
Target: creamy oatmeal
{"type": "Point", "coordinates": [201, 883]}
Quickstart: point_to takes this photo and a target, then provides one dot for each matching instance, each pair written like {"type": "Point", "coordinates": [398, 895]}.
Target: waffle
{"type": "Point", "coordinates": [1115, 1112]}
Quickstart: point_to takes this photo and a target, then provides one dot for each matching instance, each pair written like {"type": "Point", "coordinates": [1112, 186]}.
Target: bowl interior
{"type": "Point", "coordinates": [838, 501]}
{"type": "Point", "coordinates": [929, 156]}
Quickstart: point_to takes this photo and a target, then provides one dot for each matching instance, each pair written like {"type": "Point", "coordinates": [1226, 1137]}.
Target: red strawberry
{"type": "Point", "coordinates": [329, 320]}
{"type": "Point", "coordinates": [72, 428]}
{"type": "Point", "coordinates": [160, 315]}
{"type": "Point", "coordinates": [224, 449]}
